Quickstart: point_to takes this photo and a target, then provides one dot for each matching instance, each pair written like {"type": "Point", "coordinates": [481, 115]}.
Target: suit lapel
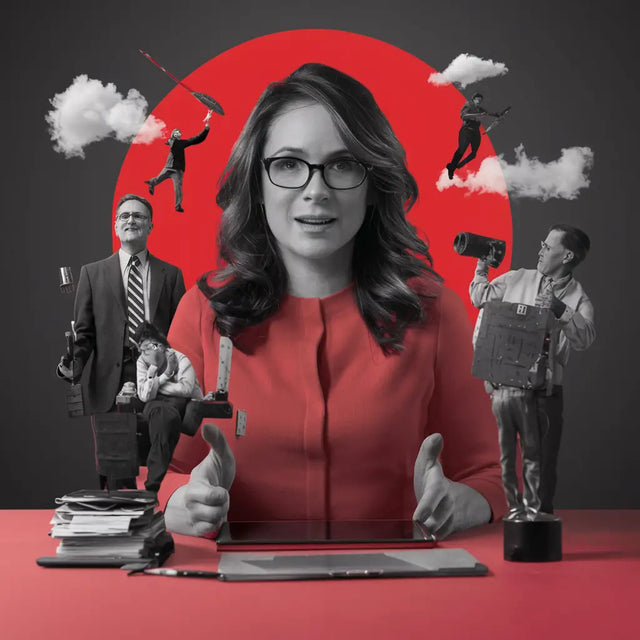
{"type": "Point", "coordinates": [114, 277]}
{"type": "Point", "coordinates": [157, 275]}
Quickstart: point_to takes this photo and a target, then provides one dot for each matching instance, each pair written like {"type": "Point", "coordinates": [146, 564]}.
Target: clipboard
{"type": "Point", "coordinates": [250, 567]}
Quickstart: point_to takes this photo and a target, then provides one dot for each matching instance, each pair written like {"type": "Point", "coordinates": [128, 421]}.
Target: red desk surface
{"type": "Point", "coordinates": [593, 593]}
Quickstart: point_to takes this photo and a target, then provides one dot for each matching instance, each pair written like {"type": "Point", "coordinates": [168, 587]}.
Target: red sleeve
{"type": "Point", "coordinates": [185, 333]}
{"type": "Point", "coordinates": [192, 325]}
{"type": "Point", "coordinates": [462, 408]}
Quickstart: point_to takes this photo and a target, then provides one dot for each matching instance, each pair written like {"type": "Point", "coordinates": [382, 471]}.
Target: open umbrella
{"type": "Point", "coordinates": [206, 100]}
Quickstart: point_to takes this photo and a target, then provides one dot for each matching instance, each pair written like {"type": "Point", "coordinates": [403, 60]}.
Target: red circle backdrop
{"type": "Point", "coordinates": [424, 117]}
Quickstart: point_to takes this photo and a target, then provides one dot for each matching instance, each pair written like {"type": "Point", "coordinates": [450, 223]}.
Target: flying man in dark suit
{"type": "Point", "coordinates": [175, 165]}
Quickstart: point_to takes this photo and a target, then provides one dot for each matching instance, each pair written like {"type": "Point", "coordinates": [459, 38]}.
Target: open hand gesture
{"type": "Point", "coordinates": [444, 506]}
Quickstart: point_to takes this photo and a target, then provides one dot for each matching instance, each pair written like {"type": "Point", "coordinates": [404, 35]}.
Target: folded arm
{"type": "Point", "coordinates": [178, 379]}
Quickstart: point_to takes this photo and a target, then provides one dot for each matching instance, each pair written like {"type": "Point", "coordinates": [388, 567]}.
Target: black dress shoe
{"type": "Point", "coordinates": [179, 209]}
{"type": "Point", "coordinates": [450, 171]}
{"type": "Point", "coordinates": [150, 186]}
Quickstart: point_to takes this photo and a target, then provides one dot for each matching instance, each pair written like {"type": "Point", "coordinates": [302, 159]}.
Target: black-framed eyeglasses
{"type": "Point", "coordinates": [293, 173]}
{"type": "Point", "coordinates": [149, 347]}
{"type": "Point", "coordinates": [125, 215]}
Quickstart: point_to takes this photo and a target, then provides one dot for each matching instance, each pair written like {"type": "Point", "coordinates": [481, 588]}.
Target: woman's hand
{"type": "Point", "coordinates": [444, 506]}
{"type": "Point", "coordinates": [200, 507]}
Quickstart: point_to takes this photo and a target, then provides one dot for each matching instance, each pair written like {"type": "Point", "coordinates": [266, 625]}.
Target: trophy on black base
{"type": "Point", "coordinates": [513, 347]}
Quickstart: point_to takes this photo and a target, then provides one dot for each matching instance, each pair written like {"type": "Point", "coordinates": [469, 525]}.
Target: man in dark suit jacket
{"type": "Point", "coordinates": [102, 342]}
{"type": "Point", "coordinates": [175, 165]}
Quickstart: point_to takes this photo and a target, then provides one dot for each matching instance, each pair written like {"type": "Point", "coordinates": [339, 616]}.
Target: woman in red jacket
{"type": "Point", "coordinates": [349, 353]}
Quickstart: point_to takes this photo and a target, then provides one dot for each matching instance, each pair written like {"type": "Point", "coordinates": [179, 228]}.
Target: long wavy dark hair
{"type": "Point", "coordinates": [387, 250]}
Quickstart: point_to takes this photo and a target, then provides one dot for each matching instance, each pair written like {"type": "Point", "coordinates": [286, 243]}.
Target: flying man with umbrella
{"type": "Point", "coordinates": [174, 167]}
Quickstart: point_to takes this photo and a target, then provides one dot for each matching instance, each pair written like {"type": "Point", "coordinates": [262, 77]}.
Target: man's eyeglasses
{"type": "Point", "coordinates": [139, 217]}
{"type": "Point", "coordinates": [150, 347]}
{"type": "Point", "coordinates": [294, 173]}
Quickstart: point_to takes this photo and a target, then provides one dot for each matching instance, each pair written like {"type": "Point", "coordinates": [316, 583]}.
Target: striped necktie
{"type": "Point", "coordinates": [546, 287]}
{"type": "Point", "coordinates": [135, 299]}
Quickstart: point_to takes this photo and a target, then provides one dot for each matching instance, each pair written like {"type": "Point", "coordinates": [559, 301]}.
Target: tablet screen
{"type": "Point", "coordinates": [319, 532]}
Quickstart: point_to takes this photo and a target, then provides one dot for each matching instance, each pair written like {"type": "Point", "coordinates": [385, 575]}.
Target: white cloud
{"type": "Point", "coordinates": [488, 179]}
{"type": "Point", "coordinates": [528, 177]}
{"type": "Point", "coordinates": [466, 69]}
{"type": "Point", "coordinates": [89, 111]}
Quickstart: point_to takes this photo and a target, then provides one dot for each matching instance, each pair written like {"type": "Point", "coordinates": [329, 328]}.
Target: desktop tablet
{"type": "Point", "coordinates": [294, 534]}
{"type": "Point", "coordinates": [243, 567]}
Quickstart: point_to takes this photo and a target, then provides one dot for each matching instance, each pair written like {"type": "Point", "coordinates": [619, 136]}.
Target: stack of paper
{"type": "Point", "coordinates": [100, 524]}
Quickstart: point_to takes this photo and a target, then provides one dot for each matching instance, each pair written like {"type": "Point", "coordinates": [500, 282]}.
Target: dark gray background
{"type": "Point", "coordinates": [573, 81]}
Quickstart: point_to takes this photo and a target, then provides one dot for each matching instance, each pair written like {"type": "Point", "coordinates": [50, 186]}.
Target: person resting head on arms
{"type": "Point", "coordinates": [349, 352]}
{"type": "Point", "coordinates": [161, 370]}
{"type": "Point", "coordinates": [166, 382]}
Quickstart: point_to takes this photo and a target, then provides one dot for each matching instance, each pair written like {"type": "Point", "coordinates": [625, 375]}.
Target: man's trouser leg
{"type": "Point", "coordinates": [115, 449]}
{"type": "Point", "coordinates": [502, 406]}
{"type": "Point", "coordinates": [105, 441]}
{"type": "Point", "coordinates": [165, 174]}
{"type": "Point", "coordinates": [177, 176]}
{"type": "Point", "coordinates": [464, 140]}
{"type": "Point", "coordinates": [549, 409]}
{"type": "Point", "coordinates": [164, 419]}
{"type": "Point", "coordinates": [529, 432]}
{"type": "Point", "coordinates": [474, 139]}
